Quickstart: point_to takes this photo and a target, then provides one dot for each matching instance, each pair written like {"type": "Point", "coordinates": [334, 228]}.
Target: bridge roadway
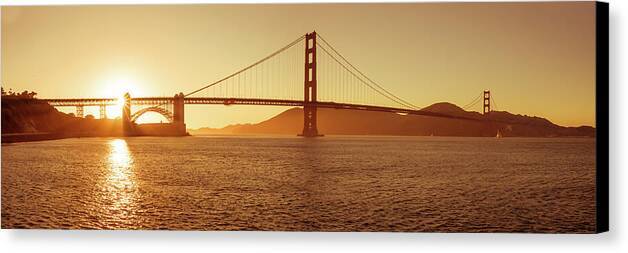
{"type": "Point", "coordinates": [244, 101]}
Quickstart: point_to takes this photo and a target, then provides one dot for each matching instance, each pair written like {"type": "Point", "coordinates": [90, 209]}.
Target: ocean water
{"type": "Point", "coordinates": [334, 183]}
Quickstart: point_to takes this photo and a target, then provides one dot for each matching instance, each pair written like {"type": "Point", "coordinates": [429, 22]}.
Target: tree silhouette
{"type": "Point", "coordinates": [24, 94]}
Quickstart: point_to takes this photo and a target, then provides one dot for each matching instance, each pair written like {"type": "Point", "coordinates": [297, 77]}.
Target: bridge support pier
{"type": "Point", "coordinates": [79, 111]}
{"type": "Point", "coordinates": [178, 114]}
{"type": "Point", "coordinates": [127, 125]}
{"type": "Point", "coordinates": [103, 112]}
{"type": "Point", "coordinates": [309, 107]}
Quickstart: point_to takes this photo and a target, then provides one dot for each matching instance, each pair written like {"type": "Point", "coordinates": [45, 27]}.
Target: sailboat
{"type": "Point", "coordinates": [499, 134]}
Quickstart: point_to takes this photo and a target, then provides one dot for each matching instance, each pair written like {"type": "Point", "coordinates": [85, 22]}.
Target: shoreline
{"type": "Point", "coordinates": [191, 133]}
{"type": "Point", "coordinates": [31, 137]}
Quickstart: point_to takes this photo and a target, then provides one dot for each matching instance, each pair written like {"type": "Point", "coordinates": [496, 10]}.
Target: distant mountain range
{"type": "Point", "coordinates": [352, 122]}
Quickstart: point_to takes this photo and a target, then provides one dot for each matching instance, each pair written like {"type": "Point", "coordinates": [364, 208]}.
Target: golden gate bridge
{"type": "Point", "coordinates": [316, 76]}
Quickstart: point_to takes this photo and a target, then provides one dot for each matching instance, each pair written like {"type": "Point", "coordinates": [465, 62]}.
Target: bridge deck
{"type": "Point", "coordinates": [242, 101]}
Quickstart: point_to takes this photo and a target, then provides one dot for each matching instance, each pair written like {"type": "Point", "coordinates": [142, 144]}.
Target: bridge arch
{"type": "Point", "coordinates": [164, 112]}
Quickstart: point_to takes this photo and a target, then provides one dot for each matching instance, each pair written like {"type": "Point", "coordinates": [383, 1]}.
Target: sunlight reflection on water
{"type": "Point", "coordinates": [120, 183]}
{"type": "Point", "coordinates": [333, 183]}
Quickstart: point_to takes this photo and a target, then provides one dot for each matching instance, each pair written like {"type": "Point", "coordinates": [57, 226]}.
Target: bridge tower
{"type": "Point", "coordinates": [178, 114]}
{"type": "Point", "coordinates": [127, 125]}
{"type": "Point", "coordinates": [487, 102]}
{"type": "Point", "coordinates": [309, 107]}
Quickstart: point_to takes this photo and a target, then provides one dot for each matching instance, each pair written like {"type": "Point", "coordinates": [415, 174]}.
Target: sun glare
{"type": "Point", "coordinates": [120, 101]}
{"type": "Point", "coordinates": [116, 88]}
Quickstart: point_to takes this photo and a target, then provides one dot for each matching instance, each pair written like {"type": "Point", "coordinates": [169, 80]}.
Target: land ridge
{"type": "Point", "coordinates": [462, 123]}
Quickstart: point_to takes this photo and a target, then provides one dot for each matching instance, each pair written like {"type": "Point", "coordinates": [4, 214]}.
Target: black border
{"type": "Point", "coordinates": [601, 115]}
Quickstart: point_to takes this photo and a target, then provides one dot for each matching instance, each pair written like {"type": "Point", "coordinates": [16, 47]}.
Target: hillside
{"type": "Point", "coordinates": [33, 116]}
{"type": "Point", "coordinates": [350, 122]}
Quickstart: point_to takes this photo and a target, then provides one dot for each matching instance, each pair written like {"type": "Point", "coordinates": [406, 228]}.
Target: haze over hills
{"type": "Point", "coordinates": [351, 122]}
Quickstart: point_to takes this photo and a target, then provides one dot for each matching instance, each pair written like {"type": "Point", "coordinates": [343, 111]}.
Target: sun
{"type": "Point", "coordinates": [120, 101]}
{"type": "Point", "coordinates": [116, 88]}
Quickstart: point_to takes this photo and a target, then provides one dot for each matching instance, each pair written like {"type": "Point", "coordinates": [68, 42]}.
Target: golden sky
{"type": "Point", "coordinates": [536, 58]}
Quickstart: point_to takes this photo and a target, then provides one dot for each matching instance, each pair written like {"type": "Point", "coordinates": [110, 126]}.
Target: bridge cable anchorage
{"type": "Point", "coordinates": [401, 101]}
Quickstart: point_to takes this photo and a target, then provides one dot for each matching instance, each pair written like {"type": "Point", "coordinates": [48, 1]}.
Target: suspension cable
{"type": "Point", "coordinates": [365, 76]}
{"type": "Point", "coordinates": [248, 67]}
{"type": "Point", "coordinates": [495, 104]}
{"type": "Point", "coordinates": [473, 102]}
{"type": "Point", "coordinates": [360, 79]}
